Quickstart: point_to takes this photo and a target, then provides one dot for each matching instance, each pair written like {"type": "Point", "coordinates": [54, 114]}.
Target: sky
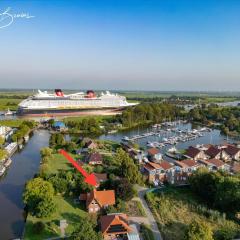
{"type": "Point", "coordinates": [161, 45]}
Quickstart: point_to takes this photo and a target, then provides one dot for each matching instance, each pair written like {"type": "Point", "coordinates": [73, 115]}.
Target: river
{"type": "Point", "coordinates": [25, 164]}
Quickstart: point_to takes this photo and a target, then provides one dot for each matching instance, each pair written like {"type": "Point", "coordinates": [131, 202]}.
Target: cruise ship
{"type": "Point", "coordinates": [58, 103]}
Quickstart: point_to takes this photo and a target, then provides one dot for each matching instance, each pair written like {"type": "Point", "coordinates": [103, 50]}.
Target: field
{"type": "Point", "coordinates": [176, 208]}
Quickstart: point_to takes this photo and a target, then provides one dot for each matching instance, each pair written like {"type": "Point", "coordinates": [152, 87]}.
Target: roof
{"type": "Point", "coordinates": [192, 152]}
{"type": "Point", "coordinates": [153, 151]}
{"type": "Point", "coordinates": [59, 124]}
{"type": "Point", "coordinates": [113, 220]}
{"type": "Point", "coordinates": [216, 162]}
{"type": "Point", "coordinates": [231, 150]}
{"type": "Point", "coordinates": [186, 163]}
{"type": "Point", "coordinates": [205, 162]}
{"type": "Point", "coordinates": [95, 157]}
{"type": "Point", "coordinates": [165, 165]}
{"type": "Point", "coordinates": [100, 177]}
{"type": "Point", "coordinates": [213, 151]}
{"type": "Point", "coordinates": [103, 198]}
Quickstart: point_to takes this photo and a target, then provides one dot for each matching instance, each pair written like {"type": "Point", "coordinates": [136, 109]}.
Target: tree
{"type": "Point", "coordinates": [38, 196]}
{"type": "Point", "coordinates": [2, 140]}
{"type": "Point", "coordinates": [46, 152]}
{"type": "Point", "coordinates": [85, 231]}
{"type": "Point", "coordinates": [124, 189]}
{"type": "Point", "coordinates": [56, 140]}
{"type": "Point", "coordinates": [128, 169]}
{"type": "Point", "coordinates": [199, 230]}
{"type": "Point", "coordinates": [3, 154]}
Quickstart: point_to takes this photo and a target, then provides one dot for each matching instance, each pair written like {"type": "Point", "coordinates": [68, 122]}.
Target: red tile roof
{"type": "Point", "coordinates": [165, 165]}
{"type": "Point", "coordinates": [102, 197]}
{"type": "Point", "coordinates": [188, 163]}
{"type": "Point", "coordinates": [153, 151]}
{"type": "Point", "coordinates": [112, 220]}
{"type": "Point", "coordinates": [212, 152]}
{"type": "Point", "coordinates": [216, 162]}
{"type": "Point", "coordinates": [192, 152]}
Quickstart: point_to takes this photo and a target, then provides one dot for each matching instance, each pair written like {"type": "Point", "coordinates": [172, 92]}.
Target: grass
{"type": "Point", "coordinates": [10, 103]}
{"type": "Point", "coordinates": [66, 210]}
{"type": "Point", "coordinates": [135, 209]}
{"type": "Point", "coordinates": [147, 233]}
{"type": "Point", "coordinates": [176, 208]}
{"type": "Point", "coordinates": [11, 123]}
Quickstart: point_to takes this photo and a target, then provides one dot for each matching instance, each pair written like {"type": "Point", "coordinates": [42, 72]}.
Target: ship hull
{"type": "Point", "coordinates": [68, 112]}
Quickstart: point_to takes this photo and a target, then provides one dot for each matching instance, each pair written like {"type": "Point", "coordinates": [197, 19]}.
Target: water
{"type": "Point", "coordinates": [213, 137]}
{"type": "Point", "coordinates": [25, 164]}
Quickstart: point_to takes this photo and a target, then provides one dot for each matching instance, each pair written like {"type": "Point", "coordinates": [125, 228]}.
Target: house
{"type": "Point", "coordinates": [87, 144]}
{"type": "Point", "coordinates": [233, 152]}
{"type": "Point", "coordinates": [235, 168]}
{"type": "Point", "coordinates": [94, 159]}
{"type": "Point", "coordinates": [213, 152]}
{"type": "Point", "coordinates": [156, 172]}
{"type": "Point", "coordinates": [195, 153]}
{"type": "Point", "coordinates": [154, 155]}
{"type": "Point", "coordinates": [214, 164]}
{"type": "Point", "coordinates": [97, 200]}
{"type": "Point", "coordinates": [100, 177]}
{"type": "Point", "coordinates": [59, 126]}
{"type": "Point", "coordinates": [115, 226]}
{"type": "Point", "coordinates": [187, 165]}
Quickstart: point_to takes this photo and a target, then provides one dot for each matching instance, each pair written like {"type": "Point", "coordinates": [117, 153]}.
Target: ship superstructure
{"type": "Point", "coordinates": [64, 104]}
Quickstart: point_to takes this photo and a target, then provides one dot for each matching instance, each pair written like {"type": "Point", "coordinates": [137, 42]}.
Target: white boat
{"type": "Point", "coordinates": [8, 162]}
{"type": "Point", "coordinates": [8, 113]}
{"type": "Point", "coordinates": [2, 170]}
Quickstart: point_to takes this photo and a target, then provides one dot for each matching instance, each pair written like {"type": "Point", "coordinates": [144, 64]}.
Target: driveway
{"type": "Point", "coordinates": [150, 220]}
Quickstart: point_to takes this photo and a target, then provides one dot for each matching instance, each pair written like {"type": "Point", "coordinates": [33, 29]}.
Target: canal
{"type": "Point", "coordinates": [25, 164]}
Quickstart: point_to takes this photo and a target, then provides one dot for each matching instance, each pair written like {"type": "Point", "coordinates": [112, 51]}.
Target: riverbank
{"type": "Point", "coordinates": [25, 164]}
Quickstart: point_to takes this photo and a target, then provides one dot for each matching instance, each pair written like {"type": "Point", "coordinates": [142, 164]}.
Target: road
{"type": "Point", "coordinates": [150, 220]}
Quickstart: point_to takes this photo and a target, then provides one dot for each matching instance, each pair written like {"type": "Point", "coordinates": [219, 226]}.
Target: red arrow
{"type": "Point", "coordinates": [89, 178]}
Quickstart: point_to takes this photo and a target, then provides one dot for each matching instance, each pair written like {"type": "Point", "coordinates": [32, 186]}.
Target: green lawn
{"type": "Point", "coordinates": [58, 162]}
{"type": "Point", "coordinates": [176, 208]}
{"type": "Point", "coordinates": [66, 209]}
{"type": "Point", "coordinates": [10, 103]}
{"type": "Point", "coordinates": [11, 123]}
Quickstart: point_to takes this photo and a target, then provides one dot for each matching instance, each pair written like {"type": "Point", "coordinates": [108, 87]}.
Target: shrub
{"type": "Point", "coordinates": [38, 227]}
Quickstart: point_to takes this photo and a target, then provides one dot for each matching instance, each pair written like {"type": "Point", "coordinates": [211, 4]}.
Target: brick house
{"type": "Point", "coordinates": [195, 153]}
{"type": "Point", "coordinates": [97, 200]}
{"type": "Point", "coordinates": [115, 226]}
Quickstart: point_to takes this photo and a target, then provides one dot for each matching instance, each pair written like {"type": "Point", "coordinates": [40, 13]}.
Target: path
{"type": "Point", "coordinates": [150, 220]}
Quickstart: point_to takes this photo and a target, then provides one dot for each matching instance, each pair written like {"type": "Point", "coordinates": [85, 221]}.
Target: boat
{"type": "Point", "coordinates": [2, 170]}
{"type": "Point", "coordinates": [60, 104]}
{"type": "Point", "coordinates": [8, 113]}
{"type": "Point", "coordinates": [7, 162]}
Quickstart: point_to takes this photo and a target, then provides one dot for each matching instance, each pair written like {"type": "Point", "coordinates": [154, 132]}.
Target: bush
{"type": "Point", "coordinates": [38, 227]}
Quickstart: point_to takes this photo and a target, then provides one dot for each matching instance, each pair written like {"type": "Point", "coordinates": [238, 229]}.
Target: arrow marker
{"type": "Point", "coordinates": [89, 178]}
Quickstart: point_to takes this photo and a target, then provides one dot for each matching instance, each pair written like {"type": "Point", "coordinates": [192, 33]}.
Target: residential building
{"type": "Point", "coordinates": [195, 153]}
{"type": "Point", "coordinates": [233, 152]}
{"type": "Point", "coordinates": [157, 172]}
{"type": "Point", "coordinates": [94, 159]}
{"type": "Point", "coordinates": [213, 152]}
{"type": "Point", "coordinates": [100, 177]}
{"type": "Point", "coordinates": [154, 155]}
{"type": "Point", "coordinates": [97, 200]}
{"type": "Point", "coordinates": [215, 164]}
{"type": "Point", "coordinates": [115, 226]}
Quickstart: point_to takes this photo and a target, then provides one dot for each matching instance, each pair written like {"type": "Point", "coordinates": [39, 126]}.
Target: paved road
{"type": "Point", "coordinates": [150, 219]}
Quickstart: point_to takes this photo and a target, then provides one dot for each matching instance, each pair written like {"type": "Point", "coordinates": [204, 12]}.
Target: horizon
{"type": "Point", "coordinates": [122, 45]}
